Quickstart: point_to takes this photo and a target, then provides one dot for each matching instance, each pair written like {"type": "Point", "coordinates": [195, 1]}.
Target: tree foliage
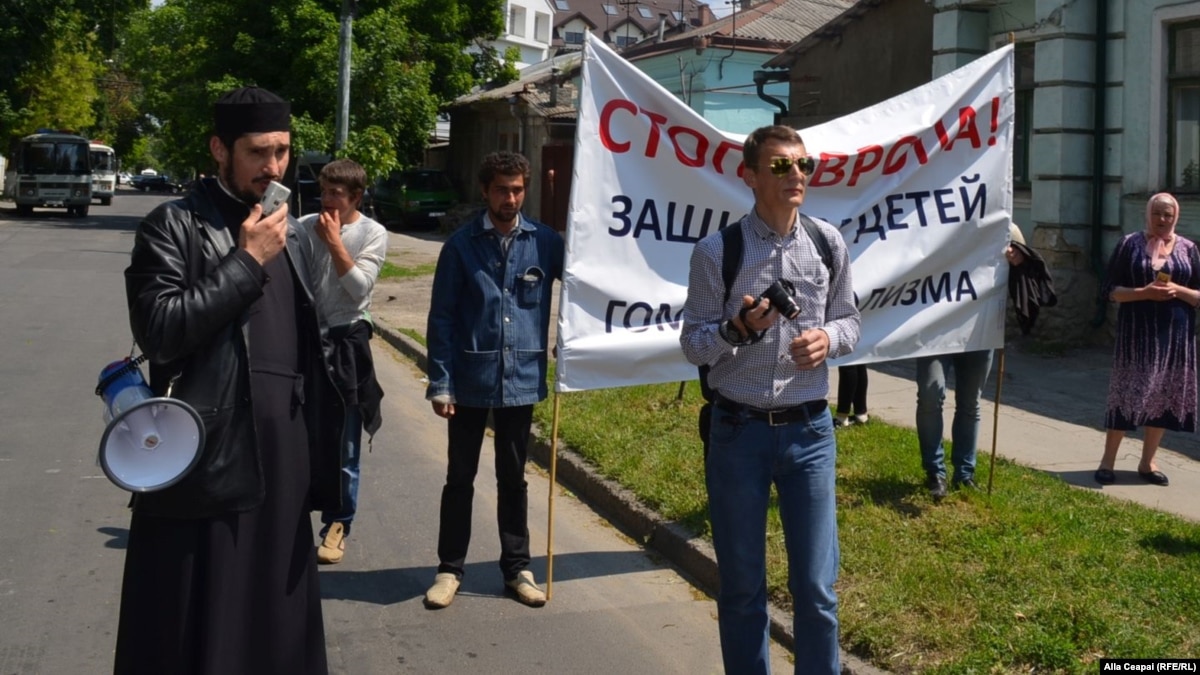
{"type": "Point", "coordinates": [144, 79]}
{"type": "Point", "coordinates": [373, 149]}
{"type": "Point", "coordinates": [60, 91]}
{"type": "Point", "coordinates": [408, 60]}
{"type": "Point", "coordinates": [64, 73]}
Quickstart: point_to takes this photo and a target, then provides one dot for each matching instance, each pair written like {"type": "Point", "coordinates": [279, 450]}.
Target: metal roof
{"type": "Point", "coordinates": [771, 23]}
{"type": "Point", "coordinates": [833, 26]}
{"type": "Point", "coordinates": [776, 20]}
{"type": "Point", "coordinates": [533, 87]}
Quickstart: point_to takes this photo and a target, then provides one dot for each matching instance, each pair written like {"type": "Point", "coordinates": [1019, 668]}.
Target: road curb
{"type": "Point", "coordinates": [688, 553]}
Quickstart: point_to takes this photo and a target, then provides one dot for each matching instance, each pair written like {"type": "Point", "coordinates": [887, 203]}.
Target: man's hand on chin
{"type": "Point", "coordinates": [329, 225]}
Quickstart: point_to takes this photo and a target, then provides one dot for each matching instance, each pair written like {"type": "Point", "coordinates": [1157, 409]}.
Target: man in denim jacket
{"type": "Point", "coordinates": [487, 341]}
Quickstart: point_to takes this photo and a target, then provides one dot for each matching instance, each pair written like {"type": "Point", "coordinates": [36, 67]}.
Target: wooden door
{"type": "Point", "coordinates": [556, 184]}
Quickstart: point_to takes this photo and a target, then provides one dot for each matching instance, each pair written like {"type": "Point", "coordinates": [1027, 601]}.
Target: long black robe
{"type": "Point", "coordinates": [237, 593]}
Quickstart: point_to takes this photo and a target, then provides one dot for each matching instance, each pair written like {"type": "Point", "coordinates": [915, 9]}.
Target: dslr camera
{"type": "Point", "coordinates": [782, 296]}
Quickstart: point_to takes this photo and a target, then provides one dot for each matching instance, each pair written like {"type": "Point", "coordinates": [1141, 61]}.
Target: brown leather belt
{"type": "Point", "coordinates": [800, 413]}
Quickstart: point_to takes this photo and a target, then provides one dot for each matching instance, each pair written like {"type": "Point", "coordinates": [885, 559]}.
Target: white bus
{"type": "Point", "coordinates": [104, 172]}
{"type": "Point", "coordinates": [51, 170]}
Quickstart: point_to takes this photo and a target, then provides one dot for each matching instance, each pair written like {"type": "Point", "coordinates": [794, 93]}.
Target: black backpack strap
{"type": "Point", "coordinates": [822, 244]}
{"type": "Point", "coordinates": [731, 258]}
{"type": "Point", "coordinates": [733, 244]}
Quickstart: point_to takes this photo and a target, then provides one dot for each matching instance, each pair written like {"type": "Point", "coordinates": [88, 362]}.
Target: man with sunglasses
{"type": "Point", "coordinates": [770, 420]}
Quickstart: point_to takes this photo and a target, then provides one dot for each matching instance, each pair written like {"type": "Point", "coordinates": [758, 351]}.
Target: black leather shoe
{"type": "Point", "coordinates": [968, 483]}
{"type": "Point", "coordinates": [937, 486]}
{"type": "Point", "coordinates": [1154, 477]}
{"type": "Point", "coordinates": [1105, 476]}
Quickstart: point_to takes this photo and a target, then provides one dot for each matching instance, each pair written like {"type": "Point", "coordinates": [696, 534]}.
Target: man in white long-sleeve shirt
{"type": "Point", "coordinates": [346, 251]}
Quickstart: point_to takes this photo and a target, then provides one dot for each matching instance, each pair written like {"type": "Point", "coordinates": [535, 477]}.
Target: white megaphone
{"type": "Point", "coordinates": [149, 443]}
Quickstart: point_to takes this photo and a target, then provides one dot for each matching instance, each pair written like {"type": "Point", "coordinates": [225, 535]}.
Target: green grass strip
{"type": "Point", "coordinates": [419, 338]}
{"type": "Point", "coordinates": [393, 271]}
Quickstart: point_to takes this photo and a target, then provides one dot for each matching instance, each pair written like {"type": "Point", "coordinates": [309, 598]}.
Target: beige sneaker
{"type": "Point", "coordinates": [333, 546]}
{"type": "Point", "coordinates": [526, 589]}
{"type": "Point", "coordinates": [441, 593]}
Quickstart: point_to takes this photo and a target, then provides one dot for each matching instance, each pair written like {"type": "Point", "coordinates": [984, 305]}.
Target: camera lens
{"type": "Point", "coordinates": [779, 294]}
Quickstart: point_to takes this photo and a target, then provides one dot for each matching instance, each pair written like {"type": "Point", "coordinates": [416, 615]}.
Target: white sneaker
{"type": "Point", "coordinates": [862, 419]}
{"type": "Point", "coordinates": [441, 593]}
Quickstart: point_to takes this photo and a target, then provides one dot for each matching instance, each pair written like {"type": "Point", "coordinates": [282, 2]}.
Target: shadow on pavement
{"type": "Point", "coordinates": [1084, 479]}
{"type": "Point", "coordinates": [120, 537]}
{"type": "Point", "coordinates": [59, 219]}
{"type": "Point", "coordinates": [481, 579]}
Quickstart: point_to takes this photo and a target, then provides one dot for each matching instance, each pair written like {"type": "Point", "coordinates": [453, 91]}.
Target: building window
{"type": "Point", "coordinates": [572, 37]}
{"type": "Point", "coordinates": [645, 12]}
{"type": "Point", "coordinates": [516, 21]}
{"type": "Point", "coordinates": [562, 5]}
{"type": "Point", "coordinates": [541, 27]}
{"type": "Point", "coordinates": [1023, 115]}
{"type": "Point", "coordinates": [678, 15]}
{"type": "Point", "coordinates": [626, 40]}
{"type": "Point", "coordinates": [1183, 107]}
{"type": "Point", "coordinates": [610, 10]}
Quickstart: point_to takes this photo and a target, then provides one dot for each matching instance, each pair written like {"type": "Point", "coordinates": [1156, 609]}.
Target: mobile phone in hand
{"type": "Point", "coordinates": [275, 196]}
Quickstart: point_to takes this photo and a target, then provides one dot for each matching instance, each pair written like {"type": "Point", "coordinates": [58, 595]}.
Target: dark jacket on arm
{"type": "Point", "coordinates": [1030, 287]}
{"type": "Point", "coordinates": [189, 288]}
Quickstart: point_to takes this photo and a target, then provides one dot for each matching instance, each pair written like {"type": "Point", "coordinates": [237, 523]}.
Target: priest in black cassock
{"type": "Point", "coordinates": [220, 571]}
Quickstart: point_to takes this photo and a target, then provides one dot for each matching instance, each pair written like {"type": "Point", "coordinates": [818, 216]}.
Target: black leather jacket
{"type": "Point", "coordinates": [189, 288]}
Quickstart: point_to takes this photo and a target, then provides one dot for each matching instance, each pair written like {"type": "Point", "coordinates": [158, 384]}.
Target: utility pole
{"type": "Point", "coordinates": [342, 116]}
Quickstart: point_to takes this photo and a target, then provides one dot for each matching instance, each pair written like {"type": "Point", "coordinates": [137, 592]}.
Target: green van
{"type": "Point", "coordinates": [413, 198]}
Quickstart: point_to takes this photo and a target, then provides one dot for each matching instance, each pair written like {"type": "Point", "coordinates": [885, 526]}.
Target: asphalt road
{"type": "Point", "coordinates": [615, 609]}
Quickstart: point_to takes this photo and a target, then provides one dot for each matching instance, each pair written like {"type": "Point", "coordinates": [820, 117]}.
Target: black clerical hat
{"type": "Point", "coordinates": [251, 110]}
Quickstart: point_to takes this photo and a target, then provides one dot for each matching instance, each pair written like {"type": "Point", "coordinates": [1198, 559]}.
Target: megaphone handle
{"type": "Point", "coordinates": [118, 374]}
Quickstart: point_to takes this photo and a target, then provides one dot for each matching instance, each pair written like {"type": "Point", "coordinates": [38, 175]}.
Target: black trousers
{"type": "Point", "coordinates": [852, 390]}
{"type": "Point", "coordinates": [466, 431]}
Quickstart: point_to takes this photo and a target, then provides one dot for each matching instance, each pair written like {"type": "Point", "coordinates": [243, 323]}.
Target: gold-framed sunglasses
{"type": "Point", "coordinates": [782, 166]}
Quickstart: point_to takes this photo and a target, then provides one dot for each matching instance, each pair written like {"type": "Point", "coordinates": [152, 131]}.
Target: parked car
{"type": "Point", "coordinates": [159, 183]}
{"type": "Point", "coordinates": [413, 198]}
{"type": "Point", "coordinates": [306, 198]}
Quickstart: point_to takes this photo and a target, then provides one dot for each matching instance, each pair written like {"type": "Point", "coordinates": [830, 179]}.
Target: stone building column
{"type": "Point", "coordinates": [960, 33]}
{"type": "Point", "coordinates": [1061, 148]}
{"type": "Point", "coordinates": [1062, 167]}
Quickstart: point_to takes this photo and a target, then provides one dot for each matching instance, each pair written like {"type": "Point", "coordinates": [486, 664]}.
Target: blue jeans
{"type": "Point", "coordinates": [970, 374]}
{"type": "Point", "coordinates": [745, 457]}
{"type": "Point", "coordinates": [351, 456]}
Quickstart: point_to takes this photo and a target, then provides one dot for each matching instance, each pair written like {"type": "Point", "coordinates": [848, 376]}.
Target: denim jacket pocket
{"type": "Point", "coordinates": [527, 368]}
{"type": "Point", "coordinates": [529, 287]}
{"type": "Point", "coordinates": [478, 375]}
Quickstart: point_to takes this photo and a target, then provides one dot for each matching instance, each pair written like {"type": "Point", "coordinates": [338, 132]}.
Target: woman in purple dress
{"type": "Point", "coordinates": [1154, 276]}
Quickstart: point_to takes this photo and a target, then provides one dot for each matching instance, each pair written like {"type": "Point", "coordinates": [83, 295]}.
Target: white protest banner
{"type": "Point", "coordinates": [919, 186]}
